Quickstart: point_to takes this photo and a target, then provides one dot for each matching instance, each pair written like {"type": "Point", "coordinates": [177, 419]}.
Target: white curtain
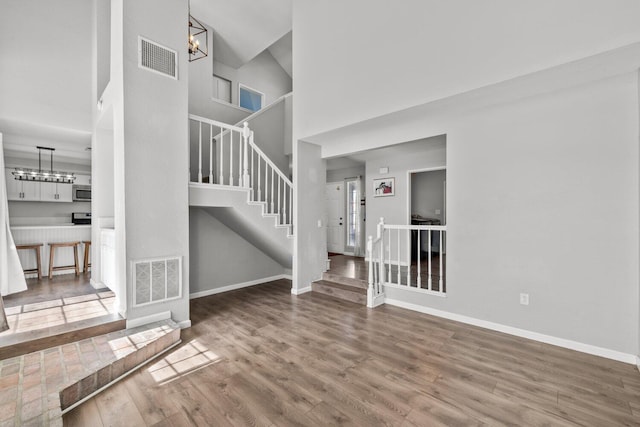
{"type": "Point", "coordinates": [11, 276]}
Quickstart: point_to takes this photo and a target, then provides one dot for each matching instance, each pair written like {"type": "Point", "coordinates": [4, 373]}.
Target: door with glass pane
{"type": "Point", "coordinates": [352, 237]}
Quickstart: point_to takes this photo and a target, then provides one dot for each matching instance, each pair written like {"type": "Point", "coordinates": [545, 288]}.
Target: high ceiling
{"type": "Point", "coordinates": [243, 28]}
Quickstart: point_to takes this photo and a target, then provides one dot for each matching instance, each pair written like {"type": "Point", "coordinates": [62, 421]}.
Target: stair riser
{"type": "Point", "coordinates": [342, 294]}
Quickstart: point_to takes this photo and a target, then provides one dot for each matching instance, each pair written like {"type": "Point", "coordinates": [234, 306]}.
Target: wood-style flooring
{"type": "Point", "coordinates": [357, 268]}
{"type": "Point", "coordinates": [261, 356]}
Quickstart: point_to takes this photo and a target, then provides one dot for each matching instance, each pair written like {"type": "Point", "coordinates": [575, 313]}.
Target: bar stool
{"type": "Point", "coordinates": [87, 246]}
{"type": "Point", "coordinates": [36, 247]}
{"type": "Point", "coordinates": [52, 249]}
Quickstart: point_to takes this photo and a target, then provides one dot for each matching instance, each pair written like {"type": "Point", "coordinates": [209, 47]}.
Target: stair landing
{"type": "Point", "coordinates": [38, 387]}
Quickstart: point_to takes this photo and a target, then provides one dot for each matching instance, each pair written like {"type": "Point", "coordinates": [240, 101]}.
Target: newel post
{"type": "Point", "coordinates": [246, 133]}
{"type": "Point", "coordinates": [370, 255]}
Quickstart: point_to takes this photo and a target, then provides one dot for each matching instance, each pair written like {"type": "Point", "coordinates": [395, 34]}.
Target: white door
{"type": "Point", "coordinates": [334, 197]}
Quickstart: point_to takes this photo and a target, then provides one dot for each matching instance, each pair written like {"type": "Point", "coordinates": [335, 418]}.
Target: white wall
{"type": "Point", "coordinates": [219, 257]}
{"type": "Point", "coordinates": [543, 199]}
{"type": "Point", "coordinates": [45, 63]}
{"type": "Point", "coordinates": [151, 148]}
{"type": "Point", "coordinates": [381, 58]}
{"type": "Point", "coordinates": [263, 73]}
{"type": "Point", "coordinates": [310, 242]}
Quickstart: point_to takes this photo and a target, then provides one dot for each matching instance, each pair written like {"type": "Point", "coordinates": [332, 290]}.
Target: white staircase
{"type": "Point", "coordinates": [234, 181]}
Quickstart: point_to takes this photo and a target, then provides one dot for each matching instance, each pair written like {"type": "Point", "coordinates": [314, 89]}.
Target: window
{"type": "Point", "coordinates": [222, 89]}
{"type": "Point", "coordinates": [250, 99]}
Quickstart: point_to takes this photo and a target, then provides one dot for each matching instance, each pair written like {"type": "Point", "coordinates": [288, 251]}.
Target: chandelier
{"type": "Point", "coordinates": [23, 174]}
{"type": "Point", "coordinates": [195, 29]}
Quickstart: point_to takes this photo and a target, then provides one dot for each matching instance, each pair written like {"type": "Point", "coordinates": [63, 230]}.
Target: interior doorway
{"type": "Point", "coordinates": [428, 206]}
{"type": "Point", "coordinates": [335, 205]}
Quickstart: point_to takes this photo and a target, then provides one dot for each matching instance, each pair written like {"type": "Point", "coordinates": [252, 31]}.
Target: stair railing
{"type": "Point", "coordinates": [227, 146]}
{"type": "Point", "coordinates": [397, 259]}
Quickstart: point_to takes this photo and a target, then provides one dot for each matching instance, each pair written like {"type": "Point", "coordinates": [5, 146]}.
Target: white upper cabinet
{"type": "Point", "coordinates": [82, 180]}
{"type": "Point", "coordinates": [40, 191]}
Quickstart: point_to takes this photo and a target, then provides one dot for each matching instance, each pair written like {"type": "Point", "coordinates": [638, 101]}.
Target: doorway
{"type": "Point", "coordinates": [428, 206]}
{"type": "Point", "coordinates": [335, 202]}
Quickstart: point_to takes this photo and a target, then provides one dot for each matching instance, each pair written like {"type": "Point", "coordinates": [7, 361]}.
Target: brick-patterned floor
{"type": "Point", "coordinates": [33, 387]}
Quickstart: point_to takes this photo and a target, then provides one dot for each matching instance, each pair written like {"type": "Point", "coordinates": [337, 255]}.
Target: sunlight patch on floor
{"type": "Point", "coordinates": [187, 359]}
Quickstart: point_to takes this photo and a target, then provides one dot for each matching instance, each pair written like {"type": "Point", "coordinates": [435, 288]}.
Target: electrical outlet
{"type": "Point", "coordinates": [524, 299]}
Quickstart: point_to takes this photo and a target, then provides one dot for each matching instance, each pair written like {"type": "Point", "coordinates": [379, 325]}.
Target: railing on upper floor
{"type": "Point", "coordinates": [221, 148]}
{"type": "Point", "coordinates": [409, 257]}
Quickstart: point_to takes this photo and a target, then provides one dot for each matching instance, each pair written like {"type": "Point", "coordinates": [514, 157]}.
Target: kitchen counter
{"type": "Point", "coordinates": [38, 227]}
{"type": "Point", "coordinates": [50, 233]}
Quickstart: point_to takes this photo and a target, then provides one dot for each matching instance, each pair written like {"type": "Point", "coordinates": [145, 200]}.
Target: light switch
{"type": "Point", "coordinates": [383, 170]}
{"type": "Point", "coordinates": [319, 223]}
{"type": "Point", "coordinates": [438, 211]}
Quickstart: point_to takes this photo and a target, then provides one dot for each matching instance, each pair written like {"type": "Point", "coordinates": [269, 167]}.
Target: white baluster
{"type": "Point", "coordinates": [230, 157]}
{"type": "Point", "coordinates": [245, 160]}
{"type": "Point", "coordinates": [409, 266]}
{"type": "Point", "coordinates": [370, 292]}
{"type": "Point", "coordinates": [279, 207]}
{"type": "Point", "coordinates": [290, 206]}
{"type": "Point", "coordinates": [240, 145]}
{"type": "Point", "coordinates": [266, 185]}
{"type": "Point", "coordinates": [221, 158]}
{"type": "Point", "coordinates": [252, 171]}
{"type": "Point", "coordinates": [418, 278]}
{"type": "Point", "coordinates": [388, 252]}
{"type": "Point", "coordinates": [210, 154]}
{"type": "Point", "coordinates": [272, 185]}
{"type": "Point", "coordinates": [200, 152]}
{"type": "Point", "coordinates": [398, 275]}
{"type": "Point", "coordinates": [429, 280]}
{"type": "Point", "coordinates": [259, 181]}
{"type": "Point", "coordinates": [284, 205]}
{"type": "Point", "coordinates": [440, 259]}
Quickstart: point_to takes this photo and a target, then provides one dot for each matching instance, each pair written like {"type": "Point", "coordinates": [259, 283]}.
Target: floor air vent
{"type": "Point", "coordinates": [157, 58]}
{"type": "Point", "coordinates": [157, 280]}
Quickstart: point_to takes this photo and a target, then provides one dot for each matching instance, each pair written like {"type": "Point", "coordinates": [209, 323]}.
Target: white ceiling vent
{"type": "Point", "coordinates": [157, 58]}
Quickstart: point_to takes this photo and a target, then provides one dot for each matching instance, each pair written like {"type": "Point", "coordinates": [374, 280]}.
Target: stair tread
{"type": "Point", "coordinates": [347, 281]}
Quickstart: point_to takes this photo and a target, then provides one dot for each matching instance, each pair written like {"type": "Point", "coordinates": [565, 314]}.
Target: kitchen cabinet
{"type": "Point", "coordinates": [21, 190]}
{"type": "Point", "coordinates": [54, 192]}
{"type": "Point", "coordinates": [36, 191]}
{"type": "Point", "coordinates": [82, 180]}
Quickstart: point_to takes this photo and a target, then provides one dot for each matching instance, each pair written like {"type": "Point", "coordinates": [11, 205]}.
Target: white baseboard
{"type": "Point", "coordinates": [97, 285]}
{"type": "Point", "coordinates": [185, 324]}
{"type": "Point", "coordinates": [145, 320]}
{"type": "Point", "coordinates": [287, 276]}
{"type": "Point", "coordinates": [300, 291]}
{"type": "Point", "coordinates": [237, 286]}
{"type": "Point", "coordinates": [560, 342]}
{"type": "Point", "coordinates": [638, 362]}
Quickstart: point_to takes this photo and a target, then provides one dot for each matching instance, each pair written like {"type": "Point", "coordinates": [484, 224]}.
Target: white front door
{"type": "Point", "coordinates": [334, 196]}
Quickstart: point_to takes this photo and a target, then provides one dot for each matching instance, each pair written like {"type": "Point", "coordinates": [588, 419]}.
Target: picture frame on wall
{"type": "Point", "coordinates": [384, 187]}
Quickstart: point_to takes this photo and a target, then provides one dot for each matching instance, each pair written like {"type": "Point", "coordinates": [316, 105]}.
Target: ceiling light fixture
{"type": "Point", "coordinates": [23, 174]}
{"type": "Point", "coordinates": [195, 29]}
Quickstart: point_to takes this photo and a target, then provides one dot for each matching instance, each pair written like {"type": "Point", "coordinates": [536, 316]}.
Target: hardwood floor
{"type": "Point", "coordinates": [261, 356]}
{"type": "Point", "coordinates": [358, 268]}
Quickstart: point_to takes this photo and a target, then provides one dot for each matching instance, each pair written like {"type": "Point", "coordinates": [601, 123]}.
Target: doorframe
{"type": "Point", "coordinates": [358, 180]}
{"type": "Point", "coordinates": [446, 199]}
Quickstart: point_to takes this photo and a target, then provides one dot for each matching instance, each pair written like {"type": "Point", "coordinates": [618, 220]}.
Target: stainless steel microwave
{"type": "Point", "coordinates": [81, 193]}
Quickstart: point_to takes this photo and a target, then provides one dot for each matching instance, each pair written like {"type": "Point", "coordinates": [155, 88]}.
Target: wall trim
{"type": "Point", "coordinates": [145, 320]}
{"type": "Point", "coordinates": [300, 291]}
{"type": "Point", "coordinates": [98, 285]}
{"type": "Point", "coordinates": [237, 286]}
{"type": "Point", "coordinates": [185, 324]}
{"type": "Point", "coordinates": [548, 339]}
{"type": "Point", "coordinates": [638, 362]}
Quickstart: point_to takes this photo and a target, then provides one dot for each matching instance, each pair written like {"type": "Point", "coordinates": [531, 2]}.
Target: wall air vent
{"type": "Point", "coordinates": [157, 280]}
{"type": "Point", "coordinates": [157, 58]}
